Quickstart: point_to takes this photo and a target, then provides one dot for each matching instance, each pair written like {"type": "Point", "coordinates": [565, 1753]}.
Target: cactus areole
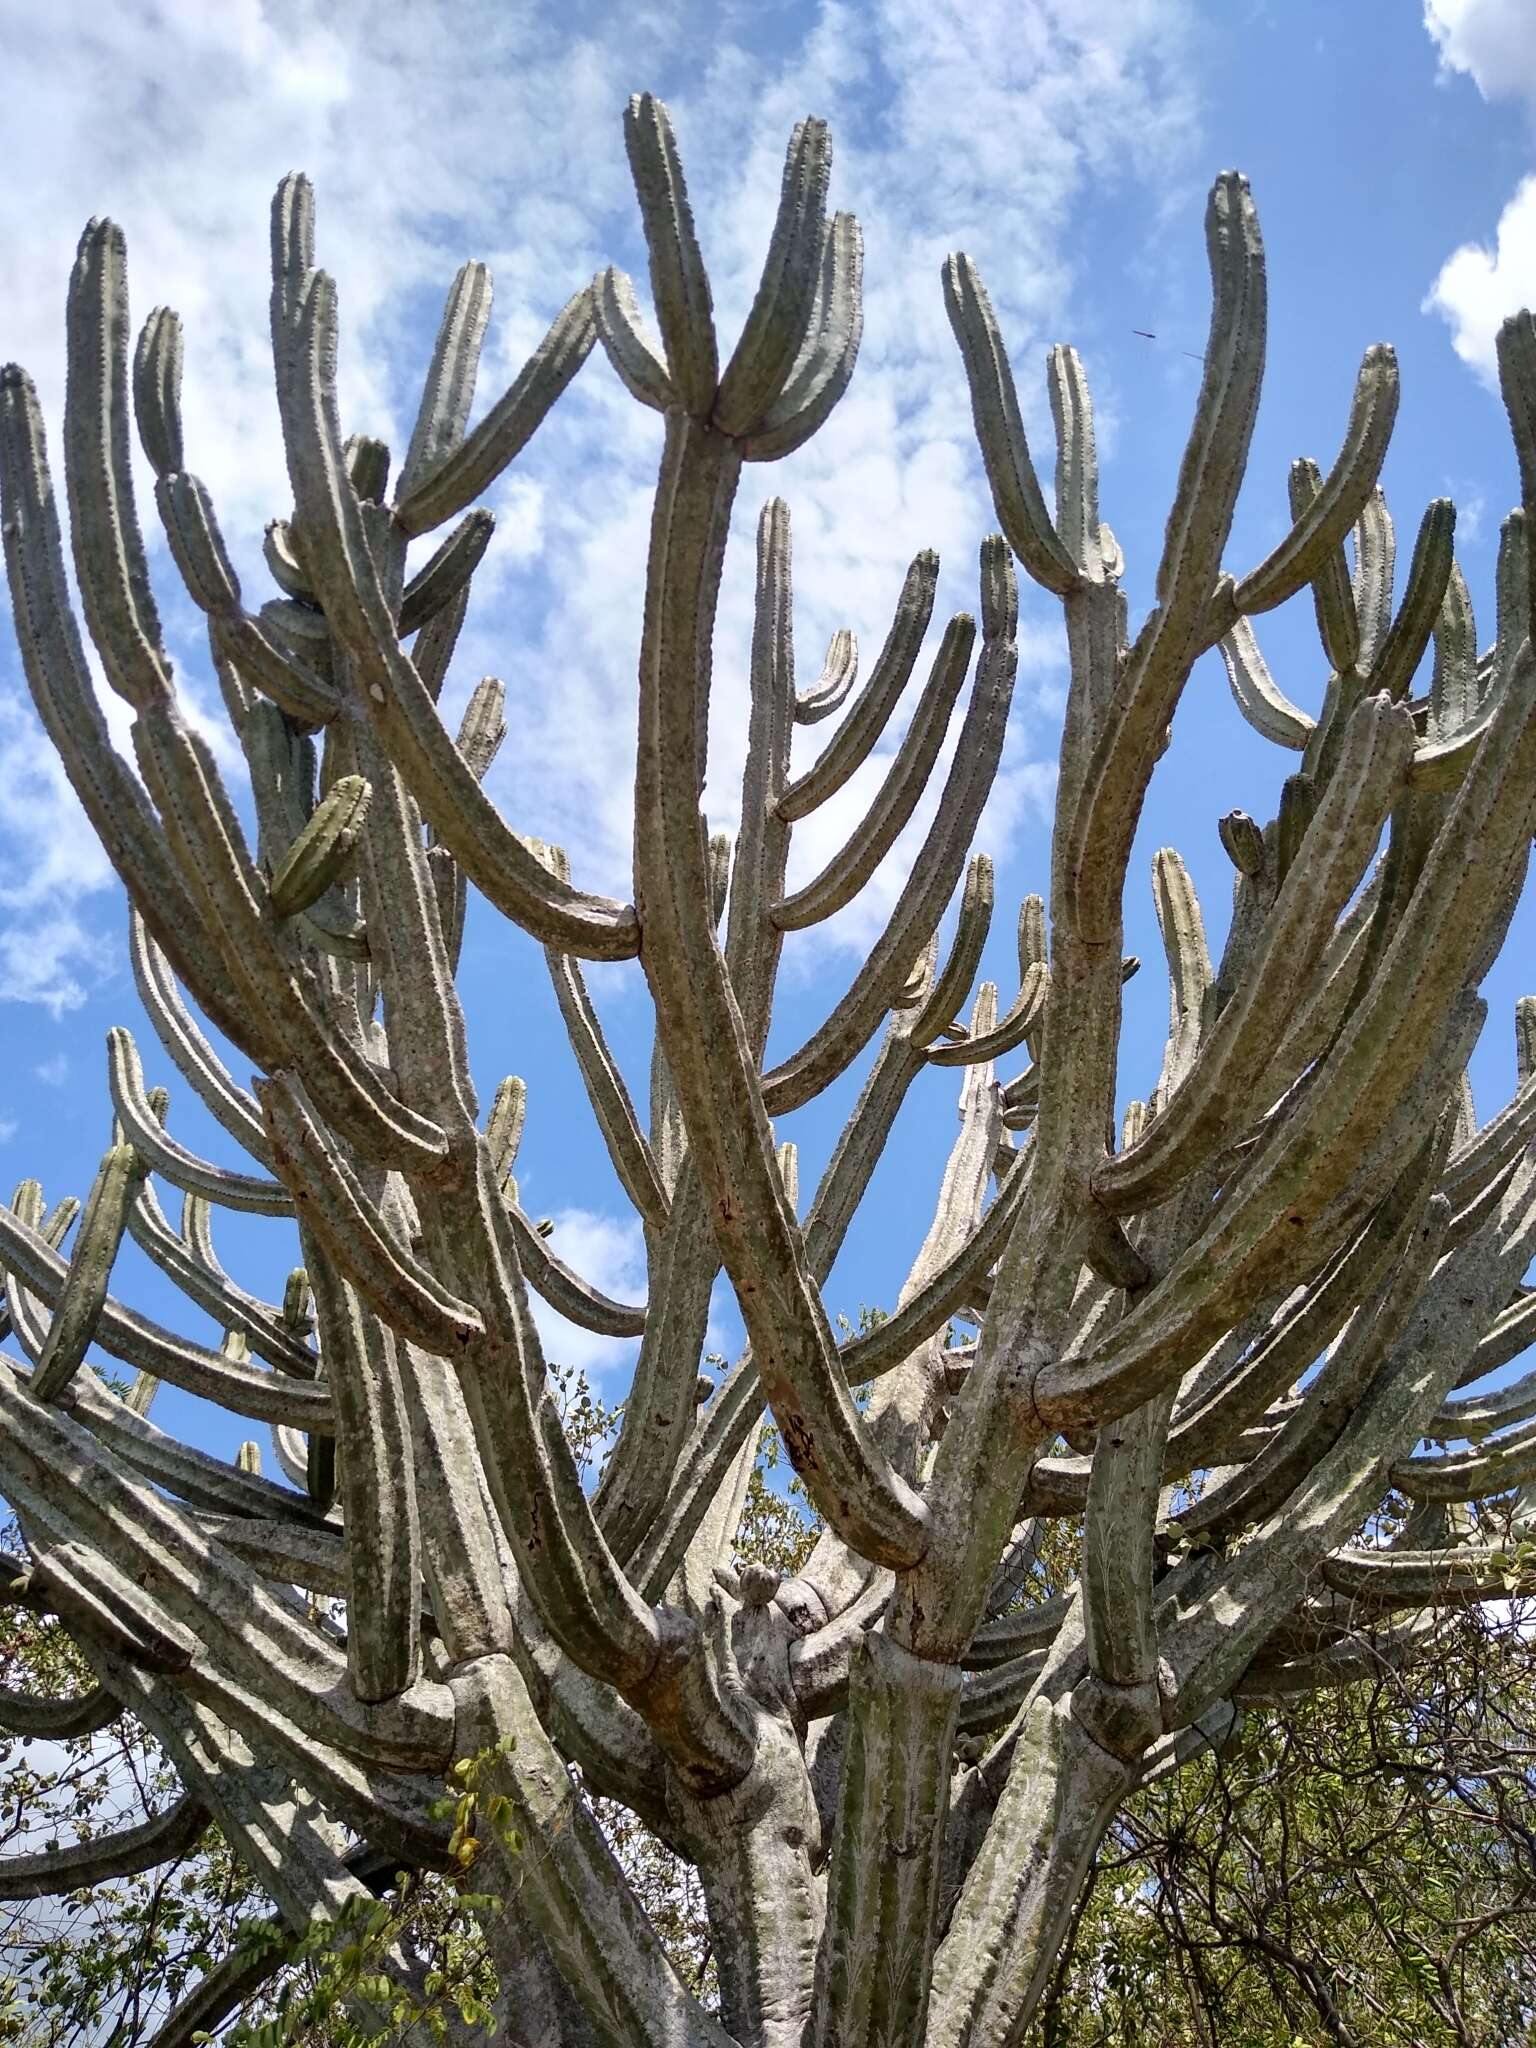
{"type": "Point", "coordinates": [1219, 1328]}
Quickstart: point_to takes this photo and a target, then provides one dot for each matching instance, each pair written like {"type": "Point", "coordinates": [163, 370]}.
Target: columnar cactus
{"type": "Point", "coordinates": [1222, 1343]}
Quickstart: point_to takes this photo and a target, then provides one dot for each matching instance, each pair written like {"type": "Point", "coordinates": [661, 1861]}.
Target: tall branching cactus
{"type": "Point", "coordinates": [892, 1771]}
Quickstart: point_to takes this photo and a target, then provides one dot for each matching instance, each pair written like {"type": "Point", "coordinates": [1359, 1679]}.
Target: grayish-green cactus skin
{"type": "Point", "coordinates": [891, 1777]}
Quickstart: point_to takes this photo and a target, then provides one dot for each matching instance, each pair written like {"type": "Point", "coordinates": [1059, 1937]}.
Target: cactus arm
{"type": "Point", "coordinates": [632, 1158]}
{"type": "Point", "coordinates": [822, 369]}
{"type": "Point", "coordinates": [939, 862]}
{"type": "Point", "coordinates": [850, 745]}
{"type": "Point", "coordinates": [1211, 1645]}
{"type": "Point", "coordinates": [1218, 1412]}
{"type": "Point", "coordinates": [145, 1346]}
{"type": "Point", "coordinates": [1412, 1578]}
{"type": "Point", "coordinates": [1121, 1703]}
{"type": "Point", "coordinates": [830, 691]}
{"type": "Point", "coordinates": [427, 1042]}
{"type": "Point", "coordinates": [187, 514]}
{"type": "Point", "coordinates": [461, 1560]}
{"type": "Point", "coordinates": [110, 563]}
{"type": "Point", "coordinates": [1505, 1338]}
{"type": "Point", "coordinates": [1189, 614]}
{"type": "Point", "coordinates": [210, 850]}
{"type": "Point", "coordinates": [399, 704]}
{"type": "Point", "coordinates": [284, 1553]}
{"type": "Point", "coordinates": [782, 310]}
{"type": "Point", "coordinates": [1016, 494]}
{"type": "Point", "coordinates": [874, 1964]}
{"type": "Point", "coordinates": [1493, 1147]}
{"type": "Point", "coordinates": [1455, 690]}
{"type": "Point", "coordinates": [565, 1290]}
{"type": "Point", "coordinates": [821, 1663]}
{"type": "Point", "coordinates": [196, 1477]}
{"type": "Point", "coordinates": [1219, 1088]}
{"type": "Point", "coordinates": [1335, 503]}
{"type": "Point", "coordinates": [627, 341]}
{"type": "Point", "coordinates": [57, 1719]}
{"type": "Point", "coordinates": [1257, 1258]}
{"type": "Point", "coordinates": [679, 283]}
{"type": "Point", "coordinates": [163, 1155]}
{"type": "Point", "coordinates": [449, 389]}
{"type": "Point", "coordinates": [99, 1859]}
{"type": "Point", "coordinates": [1469, 1475]}
{"type": "Point", "coordinates": [24, 1311]}
{"type": "Point", "coordinates": [1402, 647]}
{"type": "Point", "coordinates": [279, 1833]}
{"type": "Point", "coordinates": [704, 1035]}
{"type": "Point", "coordinates": [1267, 1480]}
{"type": "Point", "coordinates": [324, 850]}
{"type": "Point", "coordinates": [1333, 599]}
{"type": "Point", "coordinates": [872, 838]}
{"type": "Point", "coordinates": [996, 1642]}
{"type": "Point", "coordinates": [91, 1596]}
{"type": "Point", "coordinates": [327, 1193]}
{"type": "Point", "coordinates": [481, 732]}
{"type": "Point", "coordinates": [1021, 1020]}
{"type": "Point", "coordinates": [111, 797]}
{"type": "Point", "coordinates": [572, 1889]}
{"type": "Point", "coordinates": [1077, 466]}
{"type": "Point", "coordinates": [71, 1493]}
{"type": "Point", "coordinates": [658, 1414]}
{"type": "Point", "coordinates": [212, 1290]}
{"type": "Point", "coordinates": [945, 993]}
{"type": "Point", "coordinates": [1258, 696]}
{"type": "Point", "coordinates": [1371, 582]}
{"type": "Point", "coordinates": [378, 1491]}
{"type": "Point", "coordinates": [1516, 351]}
{"type": "Point", "coordinates": [222, 1990]}
{"type": "Point", "coordinates": [1361, 1088]}
{"type": "Point", "coordinates": [753, 943]}
{"type": "Point", "coordinates": [902, 1412]}
{"type": "Point", "coordinates": [860, 1145]}
{"type": "Point", "coordinates": [1190, 976]}
{"type": "Point", "coordinates": [432, 649]}
{"type": "Point", "coordinates": [281, 558]}
{"type": "Point", "coordinates": [589, 1606]}
{"type": "Point", "coordinates": [157, 365]}
{"type": "Point", "coordinates": [449, 570]}
{"type": "Point", "coordinates": [1438, 768]}
{"type": "Point", "coordinates": [727, 1423]}
{"type": "Point", "coordinates": [1512, 587]}
{"type": "Point", "coordinates": [474, 465]}
{"type": "Point", "coordinates": [79, 1300]}
{"type": "Point", "coordinates": [991, 1967]}
{"type": "Point", "coordinates": [617, 1754]}
{"type": "Point", "coordinates": [1323, 1006]}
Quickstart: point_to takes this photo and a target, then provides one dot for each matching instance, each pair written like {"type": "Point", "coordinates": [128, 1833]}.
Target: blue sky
{"type": "Point", "coordinates": [1066, 148]}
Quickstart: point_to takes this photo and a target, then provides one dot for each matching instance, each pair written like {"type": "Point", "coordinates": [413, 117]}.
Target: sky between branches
{"type": "Point", "coordinates": [1067, 148]}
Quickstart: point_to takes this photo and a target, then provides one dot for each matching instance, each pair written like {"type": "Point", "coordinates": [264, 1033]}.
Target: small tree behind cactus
{"type": "Point", "coordinates": [1220, 1326]}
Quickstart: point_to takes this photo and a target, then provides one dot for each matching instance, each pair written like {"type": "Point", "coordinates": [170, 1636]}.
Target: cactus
{"type": "Point", "coordinates": [1306, 1182]}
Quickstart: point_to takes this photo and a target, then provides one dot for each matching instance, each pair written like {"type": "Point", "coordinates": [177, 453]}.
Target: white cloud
{"type": "Point", "coordinates": [462, 127]}
{"type": "Point", "coordinates": [1479, 287]}
{"type": "Point", "coordinates": [1492, 42]}
{"type": "Point", "coordinates": [53, 1073]}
